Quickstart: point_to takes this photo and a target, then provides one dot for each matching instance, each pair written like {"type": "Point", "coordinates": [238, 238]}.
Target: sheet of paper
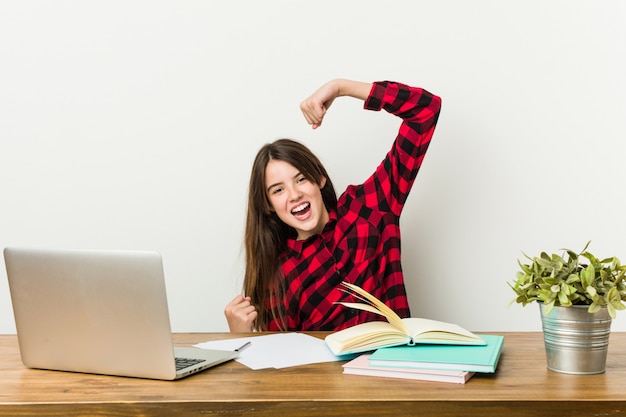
{"type": "Point", "coordinates": [280, 350]}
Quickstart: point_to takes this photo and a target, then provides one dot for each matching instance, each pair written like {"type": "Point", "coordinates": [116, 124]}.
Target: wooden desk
{"type": "Point", "coordinates": [522, 386]}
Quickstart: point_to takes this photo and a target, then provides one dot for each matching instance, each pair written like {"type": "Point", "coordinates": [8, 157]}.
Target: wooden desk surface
{"type": "Point", "coordinates": [522, 386]}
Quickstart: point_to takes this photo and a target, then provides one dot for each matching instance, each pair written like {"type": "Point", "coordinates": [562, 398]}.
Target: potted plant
{"type": "Point", "coordinates": [578, 295]}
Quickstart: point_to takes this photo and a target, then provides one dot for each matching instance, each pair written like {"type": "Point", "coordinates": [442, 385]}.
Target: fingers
{"type": "Point", "coordinates": [314, 108]}
{"type": "Point", "coordinates": [240, 314]}
{"type": "Point", "coordinates": [313, 111]}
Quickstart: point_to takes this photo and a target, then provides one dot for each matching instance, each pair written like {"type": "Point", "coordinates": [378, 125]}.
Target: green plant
{"type": "Point", "coordinates": [581, 279]}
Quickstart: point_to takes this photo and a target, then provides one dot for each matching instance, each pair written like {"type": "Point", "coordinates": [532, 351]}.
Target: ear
{"type": "Point", "coordinates": [322, 183]}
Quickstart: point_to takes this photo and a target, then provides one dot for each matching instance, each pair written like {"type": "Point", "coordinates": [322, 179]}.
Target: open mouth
{"type": "Point", "coordinates": [302, 210]}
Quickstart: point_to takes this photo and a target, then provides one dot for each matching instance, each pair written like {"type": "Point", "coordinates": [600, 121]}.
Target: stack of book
{"type": "Point", "coordinates": [430, 362]}
{"type": "Point", "coordinates": [412, 348]}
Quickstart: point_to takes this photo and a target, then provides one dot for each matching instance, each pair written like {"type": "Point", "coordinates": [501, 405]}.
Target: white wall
{"type": "Point", "coordinates": [133, 124]}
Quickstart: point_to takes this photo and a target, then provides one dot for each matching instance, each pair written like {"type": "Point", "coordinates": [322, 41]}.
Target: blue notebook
{"type": "Point", "coordinates": [452, 357]}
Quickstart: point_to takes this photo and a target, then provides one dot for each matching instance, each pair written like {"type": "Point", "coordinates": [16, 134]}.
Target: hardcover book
{"type": "Point", "coordinates": [460, 358]}
{"type": "Point", "coordinates": [361, 366]}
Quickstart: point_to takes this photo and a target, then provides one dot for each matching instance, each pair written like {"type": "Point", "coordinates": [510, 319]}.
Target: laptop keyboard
{"type": "Point", "coordinates": [182, 363]}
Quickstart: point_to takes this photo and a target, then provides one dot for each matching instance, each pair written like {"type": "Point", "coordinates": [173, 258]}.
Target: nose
{"type": "Point", "coordinates": [294, 194]}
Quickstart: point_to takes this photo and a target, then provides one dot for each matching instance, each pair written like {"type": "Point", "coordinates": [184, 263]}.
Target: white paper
{"type": "Point", "coordinates": [280, 350]}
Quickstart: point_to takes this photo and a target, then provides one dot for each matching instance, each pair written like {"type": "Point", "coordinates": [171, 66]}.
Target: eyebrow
{"type": "Point", "coordinates": [279, 183]}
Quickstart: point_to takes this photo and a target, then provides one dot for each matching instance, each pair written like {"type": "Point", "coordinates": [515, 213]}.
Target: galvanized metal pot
{"type": "Point", "coordinates": [576, 341]}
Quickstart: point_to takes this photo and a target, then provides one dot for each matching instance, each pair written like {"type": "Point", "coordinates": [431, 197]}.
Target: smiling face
{"type": "Point", "coordinates": [296, 199]}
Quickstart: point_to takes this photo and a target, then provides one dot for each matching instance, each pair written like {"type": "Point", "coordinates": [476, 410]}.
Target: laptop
{"type": "Point", "coordinates": [97, 311]}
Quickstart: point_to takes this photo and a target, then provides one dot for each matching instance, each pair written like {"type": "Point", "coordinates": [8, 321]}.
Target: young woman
{"type": "Point", "coordinates": [301, 241]}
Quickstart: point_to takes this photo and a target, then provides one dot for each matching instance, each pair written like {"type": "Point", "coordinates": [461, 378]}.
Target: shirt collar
{"type": "Point", "coordinates": [296, 246]}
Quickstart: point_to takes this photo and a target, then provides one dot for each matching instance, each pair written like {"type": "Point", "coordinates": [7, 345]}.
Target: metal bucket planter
{"type": "Point", "coordinates": [576, 341]}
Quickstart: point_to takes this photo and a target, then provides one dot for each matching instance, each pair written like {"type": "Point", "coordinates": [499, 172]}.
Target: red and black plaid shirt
{"type": "Point", "coordinates": [361, 242]}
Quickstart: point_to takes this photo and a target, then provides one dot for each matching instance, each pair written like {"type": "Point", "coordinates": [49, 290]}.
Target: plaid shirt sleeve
{"type": "Point", "coordinates": [387, 189]}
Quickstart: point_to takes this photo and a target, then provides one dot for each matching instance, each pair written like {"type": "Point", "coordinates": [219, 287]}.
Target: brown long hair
{"type": "Point", "coordinates": [266, 235]}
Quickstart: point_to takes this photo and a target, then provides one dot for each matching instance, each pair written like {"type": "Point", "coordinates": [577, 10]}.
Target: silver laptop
{"type": "Point", "coordinates": [94, 311]}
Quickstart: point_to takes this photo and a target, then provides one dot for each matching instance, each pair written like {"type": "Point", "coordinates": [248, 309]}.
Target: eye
{"type": "Point", "coordinates": [301, 178]}
{"type": "Point", "coordinates": [276, 190]}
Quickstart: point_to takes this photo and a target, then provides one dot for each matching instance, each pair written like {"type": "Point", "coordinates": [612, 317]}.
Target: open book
{"type": "Point", "coordinates": [393, 332]}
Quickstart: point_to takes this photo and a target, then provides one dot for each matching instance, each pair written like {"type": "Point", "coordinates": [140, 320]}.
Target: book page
{"type": "Point", "coordinates": [424, 330]}
{"type": "Point", "coordinates": [365, 336]}
{"type": "Point", "coordinates": [375, 306]}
